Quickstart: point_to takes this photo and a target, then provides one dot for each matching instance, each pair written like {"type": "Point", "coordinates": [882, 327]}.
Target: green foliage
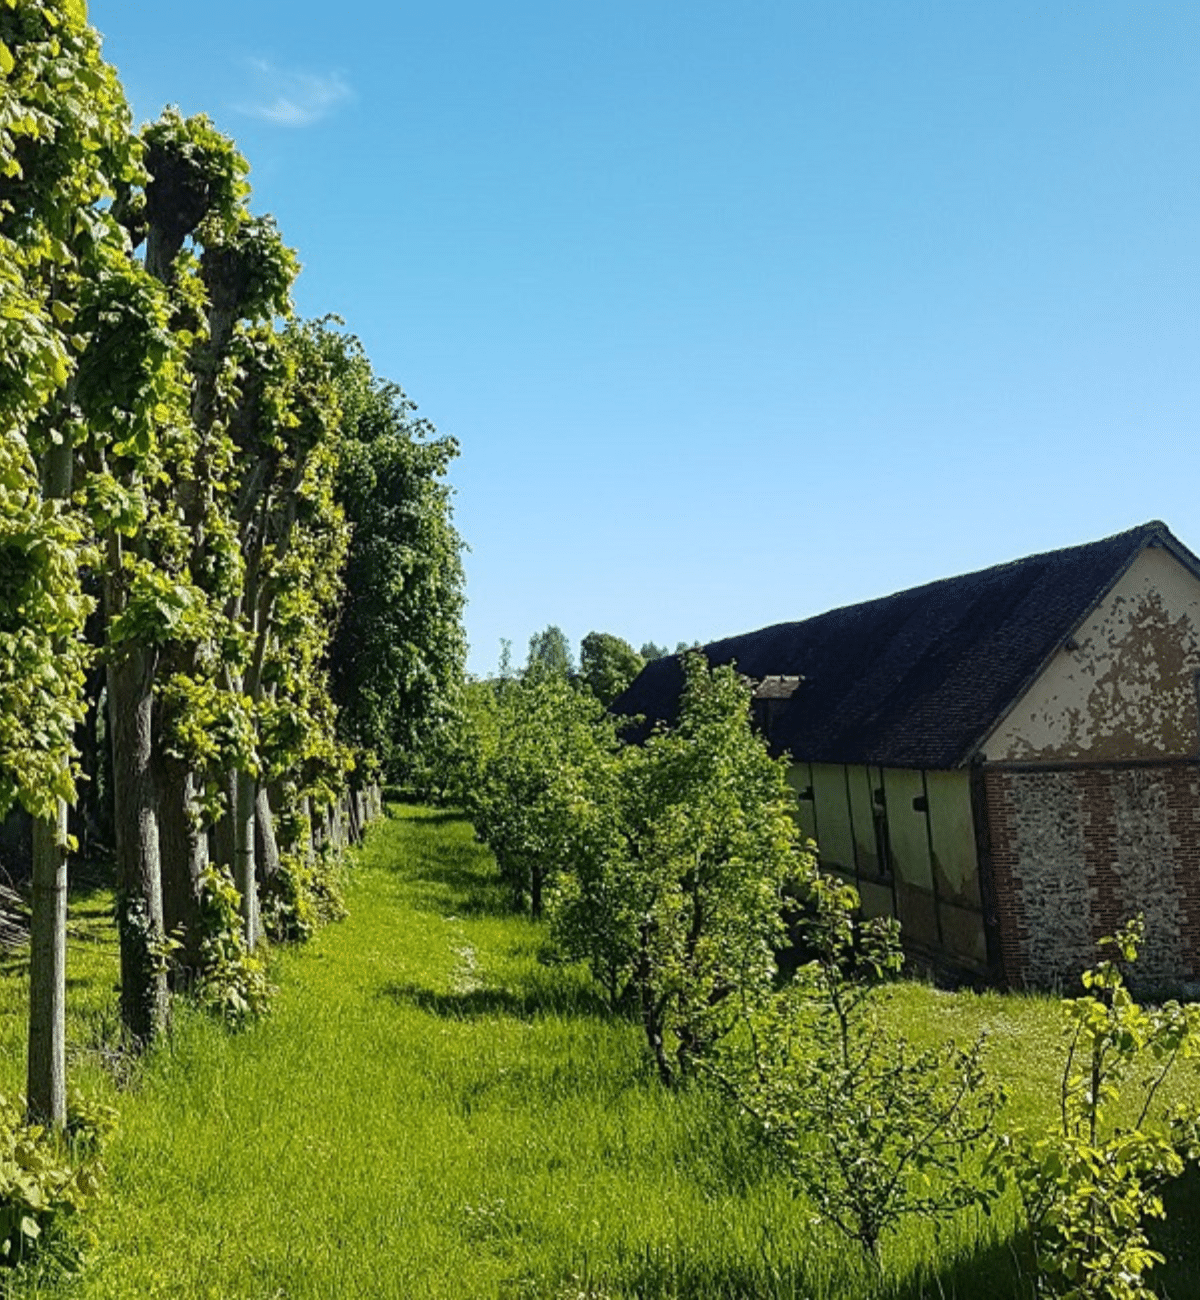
{"type": "Point", "coordinates": [302, 896]}
{"type": "Point", "coordinates": [1088, 1188]}
{"type": "Point", "coordinates": [607, 665]}
{"type": "Point", "coordinates": [42, 657]}
{"type": "Point", "coordinates": [542, 796]}
{"type": "Point", "coordinates": [549, 654]}
{"type": "Point", "coordinates": [64, 146]}
{"type": "Point", "coordinates": [398, 656]}
{"type": "Point", "coordinates": [232, 982]}
{"type": "Point", "coordinates": [679, 908]}
{"type": "Point", "coordinates": [873, 1130]}
{"type": "Point", "coordinates": [45, 1180]}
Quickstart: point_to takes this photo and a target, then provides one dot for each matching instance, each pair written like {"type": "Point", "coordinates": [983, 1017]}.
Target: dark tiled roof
{"type": "Point", "coordinates": [917, 679]}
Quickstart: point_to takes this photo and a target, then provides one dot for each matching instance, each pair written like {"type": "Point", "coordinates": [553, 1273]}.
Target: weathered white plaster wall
{"type": "Point", "coordinates": [1129, 689]}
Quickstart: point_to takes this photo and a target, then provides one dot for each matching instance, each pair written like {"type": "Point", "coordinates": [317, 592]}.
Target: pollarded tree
{"type": "Point", "coordinates": [64, 146]}
{"type": "Point", "coordinates": [399, 653]}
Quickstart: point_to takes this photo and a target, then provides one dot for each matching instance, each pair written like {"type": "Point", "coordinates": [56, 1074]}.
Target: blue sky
{"type": "Point", "coordinates": [738, 312]}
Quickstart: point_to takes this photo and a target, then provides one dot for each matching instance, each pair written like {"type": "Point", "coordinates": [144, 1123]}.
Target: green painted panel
{"type": "Point", "coordinates": [799, 777]}
{"type": "Point", "coordinates": [907, 828]}
{"type": "Point", "coordinates": [952, 830]}
{"type": "Point", "coordinates": [963, 935]}
{"type": "Point", "coordinates": [876, 899]}
{"type": "Point", "coordinates": [863, 809]}
{"type": "Point", "coordinates": [834, 837]}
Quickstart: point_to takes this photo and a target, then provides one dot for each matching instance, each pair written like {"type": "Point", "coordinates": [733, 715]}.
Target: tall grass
{"type": "Point", "coordinates": [436, 1111]}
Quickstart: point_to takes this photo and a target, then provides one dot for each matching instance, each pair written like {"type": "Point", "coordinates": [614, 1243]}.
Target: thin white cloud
{"type": "Point", "coordinates": [287, 97]}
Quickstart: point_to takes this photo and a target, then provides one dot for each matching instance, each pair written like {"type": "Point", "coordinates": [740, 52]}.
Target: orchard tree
{"type": "Point", "coordinates": [545, 794]}
{"type": "Point", "coordinates": [682, 914]}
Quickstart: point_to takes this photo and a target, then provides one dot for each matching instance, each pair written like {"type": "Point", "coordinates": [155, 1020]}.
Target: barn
{"type": "Point", "coordinates": [1008, 761]}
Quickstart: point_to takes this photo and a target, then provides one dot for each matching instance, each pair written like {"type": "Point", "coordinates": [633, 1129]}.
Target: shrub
{"type": "Point", "coordinates": [44, 1181]}
{"type": "Point", "coordinates": [870, 1128]}
{"type": "Point", "coordinates": [1088, 1188]}
{"type": "Point", "coordinates": [302, 896]}
{"type": "Point", "coordinates": [232, 981]}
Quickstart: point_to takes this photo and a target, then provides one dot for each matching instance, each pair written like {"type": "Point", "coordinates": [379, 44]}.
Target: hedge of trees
{"type": "Point", "coordinates": [230, 587]}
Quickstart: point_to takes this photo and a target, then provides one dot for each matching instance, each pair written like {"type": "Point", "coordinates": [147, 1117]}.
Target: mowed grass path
{"type": "Point", "coordinates": [435, 1111]}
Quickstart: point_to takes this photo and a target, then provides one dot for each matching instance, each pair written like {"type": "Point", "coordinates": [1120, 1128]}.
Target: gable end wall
{"type": "Point", "coordinates": [1126, 689]}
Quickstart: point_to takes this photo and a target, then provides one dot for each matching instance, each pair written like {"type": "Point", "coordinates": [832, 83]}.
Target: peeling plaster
{"type": "Point", "coordinates": [1129, 689]}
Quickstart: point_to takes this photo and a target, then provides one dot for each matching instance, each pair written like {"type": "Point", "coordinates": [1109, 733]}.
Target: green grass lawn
{"type": "Point", "coordinates": [435, 1111]}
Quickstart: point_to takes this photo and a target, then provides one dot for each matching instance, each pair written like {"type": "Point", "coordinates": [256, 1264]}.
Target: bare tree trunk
{"type": "Point", "coordinates": [266, 845]}
{"type": "Point", "coordinates": [46, 1077]}
{"type": "Point", "coordinates": [243, 856]}
{"type": "Point", "coordinates": [184, 849]}
{"type": "Point", "coordinates": [354, 816]}
{"type": "Point", "coordinates": [144, 1002]}
{"type": "Point", "coordinates": [47, 1073]}
{"type": "Point", "coordinates": [338, 817]}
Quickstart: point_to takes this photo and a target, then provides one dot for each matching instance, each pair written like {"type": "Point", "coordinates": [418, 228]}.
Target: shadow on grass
{"type": "Point", "coordinates": [463, 890]}
{"type": "Point", "coordinates": [429, 816]}
{"type": "Point", "coordinates": [991, 1272]}
{"type": "Point", "coordinates": [1177, 1237]}
{"type": "Point", "coordinates": [531, 1002]}
{"type": "Point", "coordinates": [657, 1273]}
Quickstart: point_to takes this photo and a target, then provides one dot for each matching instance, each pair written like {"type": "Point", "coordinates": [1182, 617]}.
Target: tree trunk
{"type": "Point", "coordinates": [139, 879]}
{"type": "Point", "coordinates": [47, 1074]}
{"type": "Point", "coordinates": [223, 838]}
{"type": "Point", "coordinates": [47, 1061]}
{"type": "Point", "coordinates": [184, 848]}
{"type": "Point", "coordinates": [354, 816]}
{"type": "Point", "coordinates": [243, 853]}
{"type": "Point", "coordinates": [88, 821]}
{"type": "Point", "coordinates": [266, 845]}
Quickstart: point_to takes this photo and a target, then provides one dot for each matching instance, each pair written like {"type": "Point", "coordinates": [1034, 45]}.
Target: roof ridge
{"type": "Point", "coordinates": [915, 677]}
{"type": "Point", "coordinates": [1140, 531]}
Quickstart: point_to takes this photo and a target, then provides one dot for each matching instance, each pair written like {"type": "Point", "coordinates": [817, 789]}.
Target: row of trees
{"type": "Point", "coordinates": [216, 527]}
{"type": "Point", "coordinates": [676, 871]}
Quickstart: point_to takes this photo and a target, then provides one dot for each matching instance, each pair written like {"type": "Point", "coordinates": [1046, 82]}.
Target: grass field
{"type": "Point", "coordinates": [435, 1111]}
